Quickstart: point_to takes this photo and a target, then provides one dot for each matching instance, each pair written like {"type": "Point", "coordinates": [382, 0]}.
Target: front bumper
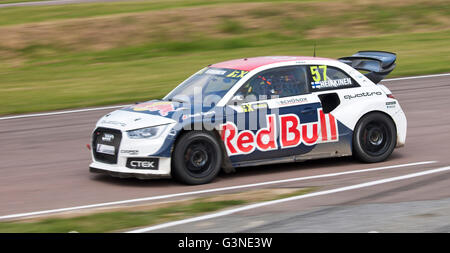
{"type": "Point", "coordinates": [137, 151]}
{"type": "Point", "coordinates": [120, 169]}
{"type": "Point", "coordinates": [127, 175]}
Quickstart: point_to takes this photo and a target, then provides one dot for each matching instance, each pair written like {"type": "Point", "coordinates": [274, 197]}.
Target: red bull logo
{"type": "Point", "coordinates": [163, 107]}
{"type": "Point", "coordinates": [292, 133]}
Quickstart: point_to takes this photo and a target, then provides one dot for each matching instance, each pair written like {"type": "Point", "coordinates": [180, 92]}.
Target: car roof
{"type": "Point", "coordinates": [248, 64]}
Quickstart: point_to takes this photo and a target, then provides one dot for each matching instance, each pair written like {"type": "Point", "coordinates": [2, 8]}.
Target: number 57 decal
{"type": "Point", "coordinates": [315, 73]}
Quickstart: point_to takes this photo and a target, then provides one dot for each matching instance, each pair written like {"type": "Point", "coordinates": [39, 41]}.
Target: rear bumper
{"type": "Point", "coordinates": [401, 124]}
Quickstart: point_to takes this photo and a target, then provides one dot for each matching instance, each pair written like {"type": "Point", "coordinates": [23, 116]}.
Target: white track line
{"type": "Point", "coordinates": [21, 215]}
{"type": "Point", "coordinates": [415, 77]}
{"type": "Point", "coordinates": [274, 202]}
{"type": "Point", "coordinates": [62, 112]}
{"type": "Point", "coordinates": [119, 106]}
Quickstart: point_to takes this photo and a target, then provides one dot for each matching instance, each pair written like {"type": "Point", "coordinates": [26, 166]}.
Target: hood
{"type": "Point", "coordinates": [161, 108]}
{"type": "Point", "coordinates": [127, 120]}
{"type": "Point", "coordinates": [169, 109]}
{"type": "Point", "coordinates": [152, 113]}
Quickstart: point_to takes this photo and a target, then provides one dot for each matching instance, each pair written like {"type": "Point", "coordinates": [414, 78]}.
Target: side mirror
{"type": "Point", "coordinates": [236, 100]}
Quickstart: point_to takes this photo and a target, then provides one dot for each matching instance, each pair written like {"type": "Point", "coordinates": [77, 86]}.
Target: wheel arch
{"type": "Point", "coordinates": [375, 111]}
{"type": "Point", "coordinates": [226, 164]}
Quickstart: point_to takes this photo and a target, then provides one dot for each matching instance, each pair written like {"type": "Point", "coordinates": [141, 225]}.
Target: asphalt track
{"type": "Point", "coordinates": [44, 166]}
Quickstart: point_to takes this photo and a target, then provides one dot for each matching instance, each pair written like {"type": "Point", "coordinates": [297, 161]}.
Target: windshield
{"type": "Point", "coordinates": [207, 86]}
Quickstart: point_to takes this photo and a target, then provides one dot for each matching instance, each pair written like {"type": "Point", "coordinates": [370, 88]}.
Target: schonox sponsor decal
{"type": "Point", "coordinates": [292, 101]}
{"type": "Point", "coordinates": [292, 134]}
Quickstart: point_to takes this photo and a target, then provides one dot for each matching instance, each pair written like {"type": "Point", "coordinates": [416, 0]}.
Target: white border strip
{"type": "Point", "coordinates": [273, 202]}
{"type": "Point", "coordinates": [414, 77]}
{"type": "Point", "coordinates": [63, 112]}
{"type": "Point", "coordinates": [21, 215]}
{"type": "Point", "coordinates": [119, 106]}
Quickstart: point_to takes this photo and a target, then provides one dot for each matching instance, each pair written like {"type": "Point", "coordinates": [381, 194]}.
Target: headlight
{"type": "Point", "coordinates": [147, 133]}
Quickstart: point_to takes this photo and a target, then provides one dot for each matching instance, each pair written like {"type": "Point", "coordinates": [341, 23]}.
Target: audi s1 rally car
{"type": "Point", "coordinates": [255, 111]}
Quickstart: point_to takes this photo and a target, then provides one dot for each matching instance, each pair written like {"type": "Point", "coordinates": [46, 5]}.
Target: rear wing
{"type": "Point", "coordinates": [378, 64]}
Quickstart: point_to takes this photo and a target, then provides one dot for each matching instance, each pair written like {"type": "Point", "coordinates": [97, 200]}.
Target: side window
{"type": "Point", "coordinates": [325, 77]}
{"type": "Point", "coordinates": [275, 83]}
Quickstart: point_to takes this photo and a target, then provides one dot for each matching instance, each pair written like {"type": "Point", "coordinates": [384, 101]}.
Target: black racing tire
{"type": "Point", "coordinates": [374, 138]}
{"type": "Point", "coordinates": [197, 158]}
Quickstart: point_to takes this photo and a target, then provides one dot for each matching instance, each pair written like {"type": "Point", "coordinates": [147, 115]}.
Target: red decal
{"type": "Point", "coordinates": [231, 129]}
{"type": "Point", "coordinates": [323, 126]}
{"type": "Point", "coordinates": [292, 134]}
{"type": "Point", "coordinates": [265, 138]}
{"type": "Point", "coordinates": [333, 127]}
{"type": "Point", "coordinates": [286, 130]}
{"type": "Point", "coordinates": [313, 139]}
{"type": "Point", "coordinates": [245, 142]}
{"type": "Point", "coordinates": [164, 107]}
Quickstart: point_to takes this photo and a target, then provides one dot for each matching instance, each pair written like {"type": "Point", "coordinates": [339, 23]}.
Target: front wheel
{"type": "Point", "coordinates": [374, 138]}
{"type": "Point", "coordinates": [196, 158]}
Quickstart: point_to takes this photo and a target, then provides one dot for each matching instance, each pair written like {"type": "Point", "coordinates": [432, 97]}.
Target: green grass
{"type": "Point", "coordinates": [20, 15]}
{"type": "Point", "coordinates": [114, 221]}
{"type": "Point", "coordinates": [297, 193]}
{"type": "Point", "coordinates": [231, 26]}
{"type": "Point", "coordinates": [55, 79]}
{"type": "Point", "coordinates": [123, 220]}
{"type": "Point", "coordinates": [17, 1]}
{"type": "Point", "coordinates": [56, 71]}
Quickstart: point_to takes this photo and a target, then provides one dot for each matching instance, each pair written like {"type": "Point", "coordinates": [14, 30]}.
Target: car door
{"type": "Point", "coordinates": [274, 115]}
{"type": "Point", "coordinates": [327, 82]}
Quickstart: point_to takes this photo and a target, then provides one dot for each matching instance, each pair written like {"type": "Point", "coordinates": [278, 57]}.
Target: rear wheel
{"type": "Point", "coordinates": [374, 138]}
{"type": "Point", "coordinates": [197, 158]}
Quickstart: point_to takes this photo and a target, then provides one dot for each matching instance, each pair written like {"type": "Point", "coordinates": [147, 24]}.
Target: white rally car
{"type": "Point", "coordinates": [255, 111]}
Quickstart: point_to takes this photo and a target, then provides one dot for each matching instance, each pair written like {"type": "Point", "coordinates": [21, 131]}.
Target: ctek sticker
{"type": "Point", "coordinates": [292, 134]}
{"type": "Point", "coordinates": [143, 163]}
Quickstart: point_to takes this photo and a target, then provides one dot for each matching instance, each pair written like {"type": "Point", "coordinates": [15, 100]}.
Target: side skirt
{"type": "Point", "coordinates": [290, 159]}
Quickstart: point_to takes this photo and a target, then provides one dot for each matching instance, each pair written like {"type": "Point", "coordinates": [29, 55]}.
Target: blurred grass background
{"type": "Point", "coordinates": [19, 1]}
{"type": "Point", "coordinates": [66, 56]}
